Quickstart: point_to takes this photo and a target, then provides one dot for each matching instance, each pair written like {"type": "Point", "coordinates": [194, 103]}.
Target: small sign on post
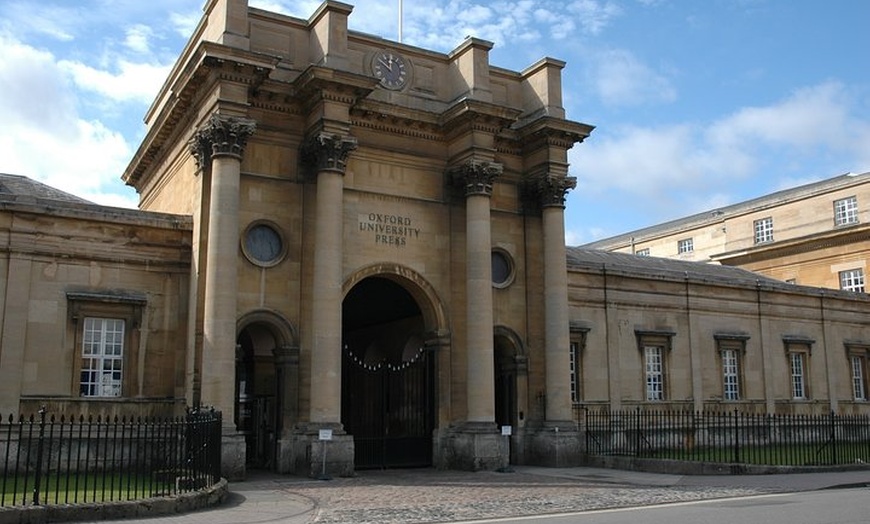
{"type": "Point", "coordinates": [324, 436]}
{"type": "Point", "coordinates": [507, 431]}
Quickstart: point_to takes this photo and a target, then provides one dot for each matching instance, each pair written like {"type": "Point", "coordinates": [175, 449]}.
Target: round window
{"type": "Point", "coordinates": [263, 244]}
{"type": "Point", "coordinates": [502, 268]}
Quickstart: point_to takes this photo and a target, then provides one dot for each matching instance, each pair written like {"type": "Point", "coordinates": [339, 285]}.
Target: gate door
{"type": "Point", "coordinates": [389, 409]}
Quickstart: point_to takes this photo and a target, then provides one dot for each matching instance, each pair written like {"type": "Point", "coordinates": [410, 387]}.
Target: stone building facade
{"type": "Point", "coordinates": [816, 234]}
{"type": "Point", "coordinates": [355, 250]}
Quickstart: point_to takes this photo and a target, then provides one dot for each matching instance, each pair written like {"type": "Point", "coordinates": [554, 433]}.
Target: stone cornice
{"type": "Point", "coordinates": [317, 84]}
{"type": "Point", "coordinates": [209, 63]}
{"type": "Point", "coordinates": [548, 131]}
{"type": "Point", "coordinates": [406, 122]}
{"type": "Point", "coordinates": [475, 115]}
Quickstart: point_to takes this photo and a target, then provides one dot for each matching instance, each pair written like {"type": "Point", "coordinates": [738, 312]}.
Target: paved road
{"type": "Point", "coordinates": [426, 496]}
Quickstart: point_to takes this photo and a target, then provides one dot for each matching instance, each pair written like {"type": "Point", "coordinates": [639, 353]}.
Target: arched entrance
{"type": "Point", "coordinates": [388, 375]}
{"type": "Point", "coordinates": [510, 385]}
{"type": "Point", "coordinates": [262, 342]}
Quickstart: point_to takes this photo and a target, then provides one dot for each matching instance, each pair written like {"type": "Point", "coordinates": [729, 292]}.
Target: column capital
{"type": "Point", "coordinates": [328, 152]}
{"type": "Point", "coordinates": [551, 190]}
{"type": "Point", "coordinates": [221, 135]}
{"type": "Point", "coordinates": [476, 177]}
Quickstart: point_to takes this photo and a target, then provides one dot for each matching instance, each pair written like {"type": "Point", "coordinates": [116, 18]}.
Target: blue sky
{"type": "Point", "coordinates": [696, 103]}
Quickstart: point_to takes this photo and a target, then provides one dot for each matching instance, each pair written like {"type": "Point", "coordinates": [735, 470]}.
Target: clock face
{"type": "Point", "coordinates": [391, 69]}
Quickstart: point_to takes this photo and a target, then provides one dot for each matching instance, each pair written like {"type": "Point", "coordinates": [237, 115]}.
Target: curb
{"type": "Point", "coordinates": [152, 507]}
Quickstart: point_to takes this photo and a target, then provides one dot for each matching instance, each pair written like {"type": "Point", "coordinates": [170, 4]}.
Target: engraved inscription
{"type": "Point", "coordinates": [387, 229]}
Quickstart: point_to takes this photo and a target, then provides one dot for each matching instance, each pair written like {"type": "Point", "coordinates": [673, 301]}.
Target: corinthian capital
{"type": "Point", "coordinates": [325, 151]}
{"type": "Point", "coordinates": [220, 135]}
{"type": "Point", "coordinates": [552, 190]}
{"type": "Point", "coordinates": [477, 177]}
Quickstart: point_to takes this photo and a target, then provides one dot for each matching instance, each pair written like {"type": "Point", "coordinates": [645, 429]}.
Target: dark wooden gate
{"type": "Point", "coordinates": [390, 411]}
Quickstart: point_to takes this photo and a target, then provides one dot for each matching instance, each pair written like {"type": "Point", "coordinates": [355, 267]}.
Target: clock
{"type": "Point", "coordinates": [263, 244]}
{"type": "Point", "coordinates": [391, 69]}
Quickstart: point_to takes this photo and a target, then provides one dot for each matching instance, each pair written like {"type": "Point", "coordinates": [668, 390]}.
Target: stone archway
{"type": "Point", "coordinates": [390, 318]}
{"type": "Point", "coordinates": [266, 384]}
{"type": "Point", "coordinates": [511, 383]}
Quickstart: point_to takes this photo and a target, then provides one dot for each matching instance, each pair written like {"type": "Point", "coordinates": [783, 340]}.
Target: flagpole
{"type": "Point", "coordinates": [400, 21]}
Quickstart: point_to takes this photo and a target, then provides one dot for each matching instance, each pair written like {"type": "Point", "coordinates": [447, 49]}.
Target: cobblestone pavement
{"type": "Point", "coordinates": [442, 496]}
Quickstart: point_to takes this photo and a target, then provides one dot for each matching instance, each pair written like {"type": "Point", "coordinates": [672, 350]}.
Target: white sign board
{"type": "Point", "coordinates": [325, 434]}
{"type": "Point", "coordinates": [506, 431]}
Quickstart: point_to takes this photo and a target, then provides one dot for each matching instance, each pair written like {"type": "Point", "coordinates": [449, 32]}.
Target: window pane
{"type": "Point", "coordinates": [575, 371]}
{"type": "Point", "coordinates": [654, 373]}
{"type": "Point", "coordinates": [846, 211]}
{"type": "Point", "coordinates": [852, 280]}
{"type": "Point", "coordinates": [764, 230]}
{"type": "Point", "coordinates": [730, 371]}
{"type": "Point", "coordinates": [102, 357]}
{"type": "Point", "coordinates": [798, 390]}
{"type": "Point", "coordinates": [858, 378]}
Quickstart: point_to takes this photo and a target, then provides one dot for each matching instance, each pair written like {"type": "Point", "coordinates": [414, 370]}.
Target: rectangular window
{"type": "Point", "coordinates": [730, 374]}
{"type": "Point", "coordinates": [643, 252]}
{"type": "Point", "coordinates": [859, 377]}
{"type": "Point", "coordinates": [798, 375]}
{"type": "Point", "coordinates": [846, 211]}
{"type": "Point", "coordinates": [763, 230]}
{"type": "Point", "coordinates": [102, 357]}
{"type": "Point", "coordinates": [655, 372]}
{"type": "Point", "coordinates": [575, 372]}
{"type": "Point", "coordinates": [852, 280]}
{"type": "Point", "coordinates": [685, 246]}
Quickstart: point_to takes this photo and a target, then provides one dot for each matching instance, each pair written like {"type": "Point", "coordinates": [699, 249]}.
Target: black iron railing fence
{"type": "Point", "coordinates": [50, 460]}
{"type": "Point", "coordinates": [730, 437]}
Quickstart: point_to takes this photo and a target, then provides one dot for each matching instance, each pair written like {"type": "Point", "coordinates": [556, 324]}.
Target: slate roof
{"type": "Point", "coordinates": [656, 267]}
{"type": "Point", "coordinates": [22, 186]}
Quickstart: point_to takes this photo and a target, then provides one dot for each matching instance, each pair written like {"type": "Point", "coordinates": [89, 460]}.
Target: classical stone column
{"type": "Point", "coordinates": [327, 154]}
{"type": "Point", "coordinates": [556, 319]}
{"type": "Point", "coordinates": [218, 147]}
{"type": "Point", "coordinates": [477, 179]}
{"type": "Point", "coordinates": [476, 444]}
{"type": "Point", "coordinates": [557, 441]}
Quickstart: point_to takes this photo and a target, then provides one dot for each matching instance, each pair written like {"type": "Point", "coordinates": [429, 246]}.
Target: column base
{"type": "Point", "coordinates": [233, 454]}
{"type": "Point", "coordinates": [472, 446]}
{"type": "Point", "coordinates": [302, 452]}
{"type": "Point", "coordinates": [555, 444]}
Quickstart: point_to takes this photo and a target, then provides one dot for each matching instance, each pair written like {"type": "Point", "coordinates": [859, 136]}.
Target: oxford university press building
{"type": "Point", "coordinates": [354, 249]}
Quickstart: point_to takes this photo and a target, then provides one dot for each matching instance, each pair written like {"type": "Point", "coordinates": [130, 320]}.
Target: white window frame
{"type": "Point", "coordinates": [730, 374]}
{"type": "Point", "coordinates": [798, 373]}
{"type": "Point", "coordinates": [576, 347]}
{"type": "Point", "coordinates": [846, 211]}
{"type": "Point", "coordinates": [859, 377]}
{"type": "Point", "coordinates": [643, 252]}
{"type": "Point", "coordinates": [686, 245]}
{"type": "Point", "coordinates": [102, 353]}
{"type": "Point", "coordinates": [654, 365]}
{"type": "Point", "coordinates": [852, 280]}
{"type": "Point", "coordinates": [763, 230]}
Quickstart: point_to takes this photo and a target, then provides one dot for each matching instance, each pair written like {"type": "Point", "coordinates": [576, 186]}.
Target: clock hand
{"type": "Point", "coordinates": [386, 63]}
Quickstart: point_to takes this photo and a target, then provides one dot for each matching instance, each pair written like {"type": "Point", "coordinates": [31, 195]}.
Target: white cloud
{"type": "Point", "coordinates": [132, 81]}
{"type": "Point", "coordinates": [623, 80]}
{"type": "Point", "coordinates": [48, 140]}
{"type": "Point", "coordinates": [138, 37]}
{"type": "Point", "coordinates": [668, 162]}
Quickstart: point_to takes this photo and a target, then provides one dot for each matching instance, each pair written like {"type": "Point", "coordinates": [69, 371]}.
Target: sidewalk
{"type": "Point", "coordinates": [425, 495]}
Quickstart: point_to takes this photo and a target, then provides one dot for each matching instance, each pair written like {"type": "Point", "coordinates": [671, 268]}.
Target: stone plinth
{"type": "Point", "coordinates": [472, 446]}
{"type": "Point", "coordinates": [301, 453]}
{"type": "Point", "coordinates": [233, 455]}
{"type": "Point", "coordinates": [555, 445]}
